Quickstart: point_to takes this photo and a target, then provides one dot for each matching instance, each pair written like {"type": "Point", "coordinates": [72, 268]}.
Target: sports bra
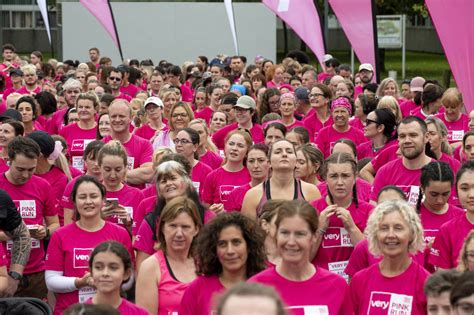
{"type": "Point", "coordinates": [267, 194]}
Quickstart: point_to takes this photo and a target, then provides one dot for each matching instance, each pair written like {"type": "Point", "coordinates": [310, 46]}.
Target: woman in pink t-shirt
{"type": "Point", "coordinates": [456, 122]}
{"type": "Point", "coordinates": [430, 101]}
{"type": "Point", "coordinates": [466, 256]}
{"type": "Point", "coordinates": [303, 286]}
{"type": "Point", "coordinates": [110, 265]}
{"type": "Point", "coordinates": [164, 277]}
{"type": "Point", "coordinates": [180, 116]}
{"type": "Point", "coordinates": [364, 104]}
{"type": "Point", "coordinates": [219, 119]}
{"type": "Point", "coordinates": [70, 246]}
{"type": "Point", "coordinates": [287, 111]}
{"type": "Point", "coordinates": [229, 250]}
{"type": "Point", "coordinates": [395, 284]}
{"type": "Point", "coordinates": [343, 216]}
{"type": "Point", "coordinates": [380, 126]}
{"type": "Point", "coordinates": [309, 162]}
{"type": "Point", "coordinates": [319, 99]}
{"type": "Point", "coordinates": [186, 144]}
{"type": "Point", "coordinates": [27, 107]}
{"type": "Point", "coordinates": [220, 182]}
{"type": "Point", "coordinates": [9, 129]}
{"type": "Point", "coordinates": [200, 99]}
{"type": "Point", "coordinates": [207, 151]}
{"type": "Point", "coordinates": [122, 200]}
{"type": "Point", "coordinates": [103, 126]}
{"type": "Point", "coordinates": [258, 166]}
{"type": "Point", "coordinates": [153, 109]}
{"type": "Point", "coordinates": [466, 151]}
{"type": "Point", "coordinates": [282, 184]}
{"type": "Point", "coordinates": [449, 241]}
{"type": "Point", "coordinates": [214, 93]}
{"type": "Point", "coordinates": [341, 110]}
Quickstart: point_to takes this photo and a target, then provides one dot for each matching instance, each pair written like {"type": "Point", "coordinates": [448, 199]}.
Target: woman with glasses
{"type": "Point", "coordinates": [154, 114]}
{"type": "Point", "coordinates": [380, 126]}
{"type": "Point", "coordinates": [180, 116]}
{"type": "Point", "coordinates": [270, 102]}
{"type": "Point", "coordinates": [318, 117]}
{"type": "Point", "coordinates": [186, 143]}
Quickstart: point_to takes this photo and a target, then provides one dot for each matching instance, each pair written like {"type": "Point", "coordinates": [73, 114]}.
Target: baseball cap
{"type": "Point", "coordinates": [302, 93]}
{"type": "Point", "coordinates": [11, 114]}
{"type": "Point", "coordinates": [416, 84]}
{"type": "Point", "coordinates": [154, 100]}
{"type": "Point", "coordinates": [245, 102]}
{"type": "Point", "coordinates": [366, 66]}
{"type": "Point", "coordinates": [17, 72]}
{"type": "Point", "coordinates": [327, 57]}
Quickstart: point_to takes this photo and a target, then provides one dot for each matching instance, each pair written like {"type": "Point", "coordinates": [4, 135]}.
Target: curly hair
{"type": "Point", "coordinates": [206, 249]}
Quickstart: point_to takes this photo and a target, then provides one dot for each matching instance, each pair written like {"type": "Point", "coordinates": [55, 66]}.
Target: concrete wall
{"type": "Point", "coordinates": [171, 31]}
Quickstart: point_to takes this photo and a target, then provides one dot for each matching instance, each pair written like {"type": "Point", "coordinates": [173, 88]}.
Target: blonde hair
{"type": "Point", "coordinates": [463, 264]}
{"type": "Point", "coordinates": [452, 96]}
{"type": "Point", "coordinates": [383, 85]}
{"type": "Point", "coordinates": [409, 215]}
{"type": "Point", "coordinates": [114, 148]}
{"type": "Point", "coordinates": [391, 103]}
{"type": "Point", "coordinates": [29, 69]}
{"type": "Point", "coordinates": [442, 132]}
{"type": "Point", "coordinates": [209, 145]}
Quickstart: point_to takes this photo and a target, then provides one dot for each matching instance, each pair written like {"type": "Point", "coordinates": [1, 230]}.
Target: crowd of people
{"type": "Point", "coordinates": [233, 187]}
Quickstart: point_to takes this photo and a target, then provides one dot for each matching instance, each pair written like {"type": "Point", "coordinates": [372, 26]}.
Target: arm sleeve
{"type": "Point", "coordinates": [56, 282]}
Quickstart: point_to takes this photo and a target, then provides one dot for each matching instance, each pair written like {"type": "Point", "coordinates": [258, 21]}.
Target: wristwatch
{"type": "Point", "coordinates": [15, 275]}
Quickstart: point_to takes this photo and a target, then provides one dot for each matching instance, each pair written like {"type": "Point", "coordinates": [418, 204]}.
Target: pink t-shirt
{"type": "Point", "coordinates": [77, 140]}
{"type": "Point", "coordinates": [130, 90]}
{"type": "Point", "coordinates": [129, 197]}
{"type": "Point", "coordinates": [395, 173]}
{"type": "Point", "coordinates": [448, 243]}
{"type": "Point", "coordinates": [138, 149]}
{"type": "Point", "coordinates": [365, 150]}
{"type": "Point", "coordinates": [56, 122]}
{"type": "Point", "coordinates": [329, 135]}
{"type": "Point", "coordinates": [323, 293]}
{"type": "Point", "coordinates": [126, 308]}
{"type": "Point", "coordinates": [456, 129]}
{"type": "Point", "coordinates": [201, 296]}
{"type": "Point", "coordinates": [34, 201]}
{"type": "Point", "coordinates": [69, 251]}
{"type": "Point", "coordinates": [146, 206]}
{"type": "Point", "coordinates": [199, 173]}
{"type": "Point", "coordinates": [219, 137]}
{"type": "Point", "coordinates": [123, 96]}
{"type": "Point", "coordinates": [363, 189]}
{"type": "Point", "coordinates": [219, 184]}
{"type": "Point", "coordinates": [3, 166]}
{"type": "Point", "coordinates": [455, 164]}
{"type": "Point", "coordinates": [386, 155]}
{"type": "Point", "coordinates": [236, 198]}
{"type": "Point", "coordinates": [314, 125]}
{"type": "Point", "coordinates": [356, 123]}
{"type": "Point", "coordinates": [58, 181]}
{"type": "Point", "coordinates": [336, 247]}
{"type": "Point", "coordinates": [205, 113]}
{"type": "Point", "coordinates": [323, 76]}
{"type": "Point", "coordinates": [296, 123]}
{"type": "Point", "coordinates": [406, 107]}
{"type": "Point", "coordinates": [146, 131]}
{"type": "Point", "coordinates": [66, 201]}
{"type": "Point", "coordinates": [373, 293]}
{"type": "Point", "coordinates": [144, 238]}
{"type": "Point", "coordinates": [3, 257]}
{"type": "Point", "coordinates": [212, 159]}
{"type": "Point", "coordinates": [150, 191]}
{"type": "Point", "coordinates": [23, 90]}
{"type": "Point", "coordinates": [186, 94]}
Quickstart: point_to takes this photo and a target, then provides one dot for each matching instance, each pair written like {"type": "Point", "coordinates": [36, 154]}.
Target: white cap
{"type": "Point", "coordinates": [366, 66]}
{"type": "Point", "coordinates": [154, 100]}
{"type": "Point", "coordinates": [327, 57]}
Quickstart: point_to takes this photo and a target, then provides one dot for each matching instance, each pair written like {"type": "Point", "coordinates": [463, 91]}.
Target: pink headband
{"type": "Point", "coordinates": [342, 101]}
{"type": "Point", "coordinates": [58, 148]}
{"type": "Point", "coordinates": [287, 95]}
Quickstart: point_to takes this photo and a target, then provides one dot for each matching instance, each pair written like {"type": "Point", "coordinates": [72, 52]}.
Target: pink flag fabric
{"type": "Point", "coordinates": [303, 18]}
{"type": "Point", "coordinates": [101, 10]}
{"type": "Point", "coordinates": [355, 17]}
{"type": "Point", "coordinates": [454, 23]}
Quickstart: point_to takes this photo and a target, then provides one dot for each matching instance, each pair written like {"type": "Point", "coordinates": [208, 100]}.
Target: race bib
{"type": "Point", "coordinates": [78, 162]}
{"type": "Point", "coordinates": [81, 257]}
{"type": "Point", "coordinates": [130, 163]}
{"type": "Point", "coordinates": [413, 195]}
{"type": "Point", "coordinates": [384, 303]}
{"type": "Point", "coordinates": [338, 267]}
{"type": "Point", "coordinates": [336, 237]}
{"type": "Point", "coordinates": [27, 208]}
{"type": "Point", "coordinates": [86, 293]}
{"type": "Point", "coordinates": [455, 135]}
{"type": "Point", "coordinates": [309, 310]}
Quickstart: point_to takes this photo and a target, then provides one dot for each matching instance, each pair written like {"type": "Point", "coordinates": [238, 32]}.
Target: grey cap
{"type": "Point", "coordinates": [245, 102]}
{"type": "Point", "coordinates": [302, 93]}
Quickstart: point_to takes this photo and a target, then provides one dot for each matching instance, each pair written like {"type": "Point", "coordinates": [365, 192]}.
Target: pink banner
{"type": "Point", "coordinates": [303, 18]}
{"type": "Point", "coordinates": [355, 17]}
{"type": "Point", "coordinates": [454, 23]}
{"type": "Point", "coordinates": [103, 13]}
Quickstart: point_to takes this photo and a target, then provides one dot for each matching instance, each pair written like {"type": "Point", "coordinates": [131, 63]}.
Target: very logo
{"type": "Point", "coordinates": [381, 304]}
{"type": "Point", "coordinates": [81, 257]}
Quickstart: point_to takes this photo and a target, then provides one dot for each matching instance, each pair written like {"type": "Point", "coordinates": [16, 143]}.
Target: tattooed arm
{"type": "Point", "coordinates": [20, 254]}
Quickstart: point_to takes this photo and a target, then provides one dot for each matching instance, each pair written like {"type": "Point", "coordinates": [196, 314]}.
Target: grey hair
{"type": "Point", "coordinates": [409, 215]}
{"type": "Point", "coordinates": [166, 168]}
{"type": "Point", "coordinates": [72, 84]}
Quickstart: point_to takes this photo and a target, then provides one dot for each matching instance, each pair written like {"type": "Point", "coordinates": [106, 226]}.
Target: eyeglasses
{"type": "Point", "coordinates": [182, 141]}
{"type": "Point", "coordinates": [182, 115]}
{"type": "Point", "coordinates": [115, 79]}
{"type": "Point", "coordinates": [370, 121]}
{"type": "Point", "coordinates": [315, 95]}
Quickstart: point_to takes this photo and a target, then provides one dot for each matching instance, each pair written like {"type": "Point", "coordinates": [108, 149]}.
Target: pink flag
{"type": "Point", "coordinates": [454, 23]}
{"type": "Point", "coordinates": [103, 13]}
{"type": "Point", "coordinates": [356, 20]}
{"type": "Point", "coordinates": [302, 17]}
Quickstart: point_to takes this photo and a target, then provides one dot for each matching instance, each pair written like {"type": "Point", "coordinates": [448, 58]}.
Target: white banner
{"type": "Point", "coordinates": [230, 15]}
{"type": "Point", "coordinates": [44, 13]}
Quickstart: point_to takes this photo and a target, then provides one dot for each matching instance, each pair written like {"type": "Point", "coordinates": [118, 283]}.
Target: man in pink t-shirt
{"type": "Point", "coordinates": [36, 205]}
{"type": "Point", "coordinates": [366, 73]}
{"type": "Point", "coordinates": [405, 172]}
{"type": "Point", "coordinates": [31, 86]}
{"type": "Point", "coordinates": [8, 52]}
{"type": "Point", "coordinates": [72, 89]}
{"type": "Point", "coordinates": [114, 80]}
{"type": "Point", "coordinates": [139, 150]}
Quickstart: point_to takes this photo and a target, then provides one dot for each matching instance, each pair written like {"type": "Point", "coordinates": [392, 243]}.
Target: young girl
{"type": "Point", "coordinates": [456, 122]}
{"type": "Point", "coordinates": [447, 245]}
{"type": "Point", "coordinates": [110, 266]}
